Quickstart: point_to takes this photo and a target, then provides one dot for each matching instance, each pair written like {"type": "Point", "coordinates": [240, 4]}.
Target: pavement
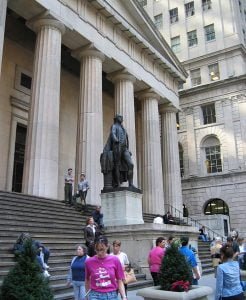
{"type": "Point", "coordinates": [207, 280]}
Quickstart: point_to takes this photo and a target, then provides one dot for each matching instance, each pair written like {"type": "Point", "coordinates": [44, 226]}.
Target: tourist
{"type": "Point", "coordinates": [215, 253]}
{"type": "Point", "coordinates": [203, 235]}
{"type": "Point", "coordinates": [228, 276]}
{"type": "Point", "coordinates": [42, 252]}
{"type": "Point", "coordinates": [90, 233]}
{"type": "Point", "coordinates": [76, 275]}
{"type": "Point", "coordinates": [83, 187]}
{"type": "Point", "coordinates": [155, 258]}
{"type": "Point", "coordinates": [104, 274]}
{"type": "Point", "coordinates": [170, 240]}
{"type": "Point", "coordinates": [158, 220]}
{"type": "Point", "coordinates": [190, 258]}
{"type": "Point", "coordinates": [168, 218]}
{"type": "Point", "coordinates": [68, 188]}
{"type": "Point", "coordinates": [122, 257]}
{"type": "Point", "coordinates": [233, 243]}
{"type": "Point", "coordinates": [98, 217]}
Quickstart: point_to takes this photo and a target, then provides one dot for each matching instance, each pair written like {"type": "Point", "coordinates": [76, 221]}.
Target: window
{"type": "Point", "coordinates": [206, 4]}
{"type": "Point", "coordinates": [158, 21]}
{"type": "Point", "coordinates": [215, 207]}
{"type": "Point", "coordinates": [177, 121]}
{"type": "Point", "coordinates": [209, 32]}
{"type": "Point", "coordinates": [214, 72]}
{"type": "Point", "coordinates": [175, 44]}
{"type": "Point", "coordinates": [26, 81]}
{"type": "Point", "coordinates": [174, 17]}
{"type": "Point", "coordinates": [181, 160]}
{"type": "Point", "coordinates": [180, 85]}
{"type": "Point", "coordinates": [209, 115]}
{"type": "Point", "coordinates": [192, 38]}
{"type": "Point", "coordinates": [212, 154]}
{"type": "Point", "coordinates": [213, 159]}
{"type": "Point", "coordinates": [195, 76]}
{"type": "Point", "coordinates": [189, 9]}
{"type": "Point", "coordinates": [142, 2]}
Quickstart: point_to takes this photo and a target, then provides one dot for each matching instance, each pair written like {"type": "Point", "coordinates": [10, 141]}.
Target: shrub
{"type": "Point", "coordinates": [25, 280]}
{"type": "Point", "coordinates": [174, 268]}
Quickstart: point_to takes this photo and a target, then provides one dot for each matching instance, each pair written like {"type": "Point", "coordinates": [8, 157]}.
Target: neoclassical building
{"type": "Point", "coordinates": [67, 66]}
{"type": "Point", "coordinates": [209, 38]}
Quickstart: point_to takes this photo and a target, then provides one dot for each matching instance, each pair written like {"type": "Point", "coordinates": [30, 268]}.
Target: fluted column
{"type": "Point", "coordinates": [170, 156]}
{"type": "Point", "coordinates": [152, 182]}
{"type": "Point", "coordinates": [90, 121]}
{"type": "Point", "coordinates": [3, 9]}
{"type": "Point", "coordinates": [124, 105]}
{"type": "Point", "coordinates": [41, 158]}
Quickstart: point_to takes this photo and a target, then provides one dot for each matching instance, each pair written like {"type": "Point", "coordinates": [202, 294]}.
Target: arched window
{"type": "Point", "coordinates": [216, 206]}
{"type": "Point", "coordinates": [181, 160]}
{"type": "Point", "coordinates": [212, 151]}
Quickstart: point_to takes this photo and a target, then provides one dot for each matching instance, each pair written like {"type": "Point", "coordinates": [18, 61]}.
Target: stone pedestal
{"type": "Point", "coordinates": [122, 208]}
{"type": "Point", "coordinates": [196, 292]}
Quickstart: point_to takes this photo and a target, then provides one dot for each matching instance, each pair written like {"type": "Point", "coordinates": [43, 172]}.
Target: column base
{"type": "Point", "coordinates": [122, 207]}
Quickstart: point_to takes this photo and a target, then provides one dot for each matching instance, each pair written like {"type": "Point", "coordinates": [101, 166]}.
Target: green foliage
{"type": "Point", "coordinates": [25, 280]}
{"type": "Point", "coordinates": [174, 268]}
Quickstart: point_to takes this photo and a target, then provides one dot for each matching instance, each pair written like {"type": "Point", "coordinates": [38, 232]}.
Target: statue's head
{"type": "Point", "coordinates": [118, 118]}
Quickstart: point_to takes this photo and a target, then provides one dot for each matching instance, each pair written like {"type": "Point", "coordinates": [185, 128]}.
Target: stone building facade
{"type": "Point", "coordinates": [67, 66]}
{"type": "Point", "coordinates": [209, 39]}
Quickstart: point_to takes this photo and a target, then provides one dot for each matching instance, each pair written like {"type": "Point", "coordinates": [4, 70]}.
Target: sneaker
{"type": "Point", "coordinates": [46, 266]}
{"type": "Point", "coordinates": [46, 274]}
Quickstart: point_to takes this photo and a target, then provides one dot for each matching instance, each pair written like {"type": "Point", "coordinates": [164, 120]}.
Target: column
{"type": "Point", "coordinates": [90, 121]}
{"type": "Point", "coordinates": [41, 158]}
{"type": "Point", "coordinates": [124, 105]}
{"type": "Point", "coordinates": [3, 9]}
{"type": "Point", "coordinates": [170, 156]}
{"type": "Point", "coordinates": [152, 182]}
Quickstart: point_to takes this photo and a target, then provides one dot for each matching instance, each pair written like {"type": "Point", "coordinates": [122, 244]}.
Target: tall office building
{"type": "Point", "coordinates": [209, 37]}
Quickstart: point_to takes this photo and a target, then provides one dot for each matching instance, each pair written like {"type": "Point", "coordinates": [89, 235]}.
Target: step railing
{"type": "Point", "coordinates": [182, 218]}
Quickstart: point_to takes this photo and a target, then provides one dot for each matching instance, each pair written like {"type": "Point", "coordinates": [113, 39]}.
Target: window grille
{"type": "Point", "coordinates": [209, 32]}
{"type": "Point", "coordinates": [173, 15]}
{"type": "Point", "coordinates": [195, 77]}
{"type": "Point", "coordinates": [192, 38]}
{"type": "Point", "coordinates": [209, 114]}
{"type": "Point", "coordinates": [189, 9]}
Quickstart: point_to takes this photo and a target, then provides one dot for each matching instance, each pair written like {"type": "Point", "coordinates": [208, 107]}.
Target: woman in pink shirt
{"type": "Point", "coordinates": [155, 258]}
{"type": "Point", "coordinates": [104, 274]}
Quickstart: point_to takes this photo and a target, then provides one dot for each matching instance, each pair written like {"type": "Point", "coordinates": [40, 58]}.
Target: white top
{"type": "Point", "coordinates": [158, 220]}
{"type": "Point", "coordinates": [122, 257]}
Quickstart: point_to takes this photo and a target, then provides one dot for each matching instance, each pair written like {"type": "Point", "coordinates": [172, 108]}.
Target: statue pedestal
{"type": "Point", "coordinates": [123, 207]}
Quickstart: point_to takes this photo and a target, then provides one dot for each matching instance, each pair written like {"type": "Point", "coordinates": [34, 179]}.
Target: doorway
{"type": "Point", "coordinates": [19, 154]}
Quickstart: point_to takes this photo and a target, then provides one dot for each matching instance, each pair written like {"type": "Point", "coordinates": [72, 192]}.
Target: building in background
{"type": "Point", "coordinates": [209, 37]}
{"type": "Point", "coordinates": [66, 68]}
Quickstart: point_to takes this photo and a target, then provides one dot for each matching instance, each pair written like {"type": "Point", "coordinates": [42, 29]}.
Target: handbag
{"type": "Point", "coordinates": [129, 276]}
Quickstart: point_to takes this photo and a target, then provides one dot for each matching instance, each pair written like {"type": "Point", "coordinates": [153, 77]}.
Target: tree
{"type": "Point", "coordinates": [174, 268]}
{"type": "Point", "coordinates": [25, 280]}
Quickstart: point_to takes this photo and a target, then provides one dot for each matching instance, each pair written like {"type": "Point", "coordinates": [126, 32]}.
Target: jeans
{"type": "Point", "coordinates": [93, 295]}
{"type": "Point", "coordinates": [79, 290]}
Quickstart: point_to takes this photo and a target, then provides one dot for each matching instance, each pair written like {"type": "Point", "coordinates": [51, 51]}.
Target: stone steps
{"type": "Point", "coordinates": [58, 227]}
{"type": "Point", "coordinates": [205, 257]}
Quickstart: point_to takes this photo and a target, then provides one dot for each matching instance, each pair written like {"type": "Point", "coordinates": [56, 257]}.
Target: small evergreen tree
{"type": "Point", "coordinates": [174, 268]}
{"type": "Point", "coordinates": [25, 280]}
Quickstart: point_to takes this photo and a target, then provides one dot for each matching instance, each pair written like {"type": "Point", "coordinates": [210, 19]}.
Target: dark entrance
{"type": "Point", "coordinates": [20, 143]}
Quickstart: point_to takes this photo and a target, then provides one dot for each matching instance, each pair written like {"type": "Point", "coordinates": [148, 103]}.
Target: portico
{"type": "Point", "coordinates": [142, 72]}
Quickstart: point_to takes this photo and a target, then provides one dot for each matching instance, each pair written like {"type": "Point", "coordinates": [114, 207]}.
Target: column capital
{"type": "Point", "coordinates": [123, 74]}
{"type": "Point", "coordinates": [45, 20]}
{"type": "Point", "coordinates": [148, 94]}
{"type": "Point", "coordinates": [89, 50]}
{"type": "Point", "coordinates": [165, 108]}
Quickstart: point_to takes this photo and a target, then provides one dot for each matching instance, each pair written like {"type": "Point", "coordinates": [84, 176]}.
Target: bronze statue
{"type": "Point", "coordinates": [116, 162]}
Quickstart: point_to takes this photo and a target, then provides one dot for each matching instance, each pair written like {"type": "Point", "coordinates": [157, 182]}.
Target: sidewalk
{"type": "Point", "coordinates": [207, 280]}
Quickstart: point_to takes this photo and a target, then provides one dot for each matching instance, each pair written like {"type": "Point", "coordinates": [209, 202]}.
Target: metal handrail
{"type": "Point", "coordinates": [180, 220]}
